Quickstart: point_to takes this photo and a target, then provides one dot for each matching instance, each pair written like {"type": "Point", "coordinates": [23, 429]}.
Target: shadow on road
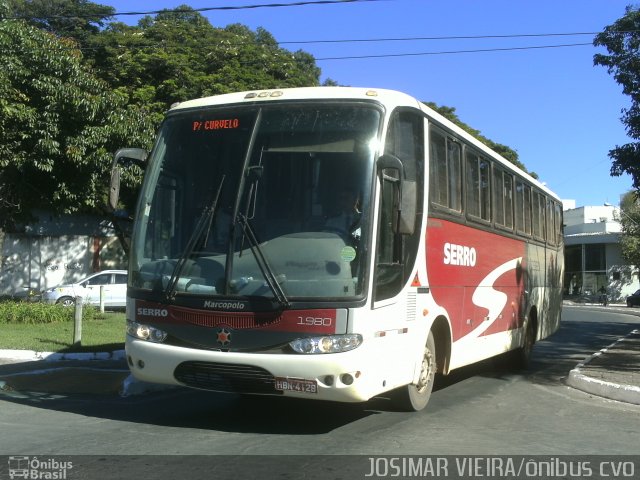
{"type": "Point", "coordinates": [552, 360]}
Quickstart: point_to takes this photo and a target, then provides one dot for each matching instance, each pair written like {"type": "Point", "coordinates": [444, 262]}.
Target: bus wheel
{"type": "Point", "coordinates": [415, 397]}
{"type": "Point", "coordinates": [522, 356]}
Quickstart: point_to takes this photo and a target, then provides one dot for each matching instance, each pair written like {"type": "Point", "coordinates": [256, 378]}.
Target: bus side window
{"type": "Point", "coordinates": [537, 215]}
{"type": "Point", "coordinates": [444, 166]}
{"type": "Point", "coordinates": [503, 199]}
{"type": "Point", "coordinates": [508, 200]}
{"type": "Point", "coordinates": [558, 227]}
{"type": "Point", "coordinates": [523, 208]}
{"type": "Point", "coordinates": [478, 187]}
{"type": "Point", "coordinates": [551, 231]}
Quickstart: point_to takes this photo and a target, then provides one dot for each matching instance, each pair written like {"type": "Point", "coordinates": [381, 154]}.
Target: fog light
{"type": "Point", "coordinates": [346, 378]}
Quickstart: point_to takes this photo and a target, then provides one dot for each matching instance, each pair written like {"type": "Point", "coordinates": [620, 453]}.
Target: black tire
{"type": "Point", "coordinates": [414, 397]}
{"type": "Point", "coordinates": [522, 355]}
{"type": "Point", "coordinates": [66, 301]}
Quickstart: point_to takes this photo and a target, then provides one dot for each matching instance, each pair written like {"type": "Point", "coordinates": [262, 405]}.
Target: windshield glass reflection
{"type": "Point", "coordinates": [272, 203]}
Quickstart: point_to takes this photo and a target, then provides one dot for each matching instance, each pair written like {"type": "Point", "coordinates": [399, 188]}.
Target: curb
{"type": "Point", "coordinates": [602, 388]}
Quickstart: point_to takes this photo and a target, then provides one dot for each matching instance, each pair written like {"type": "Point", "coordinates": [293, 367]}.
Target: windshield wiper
{"type": "Point", "coordinates": [204, 224]}
{"type": "Point", "coordinates": [251, 174]}
{"type": "Point", "coordinates": [263, 264]}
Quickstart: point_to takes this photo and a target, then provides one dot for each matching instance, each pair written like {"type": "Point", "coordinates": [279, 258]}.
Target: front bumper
{"type": "Point", "coordinates": [339, 377]}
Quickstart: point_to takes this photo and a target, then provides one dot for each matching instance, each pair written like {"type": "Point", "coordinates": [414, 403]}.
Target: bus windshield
{"type": "Point", "coordinates": [258, 201]}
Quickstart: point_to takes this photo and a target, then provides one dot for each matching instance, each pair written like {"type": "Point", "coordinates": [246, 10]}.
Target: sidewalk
{"type": "Point", "coordinates": [613, 372]}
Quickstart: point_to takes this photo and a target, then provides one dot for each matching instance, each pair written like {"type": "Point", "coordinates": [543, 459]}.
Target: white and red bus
{"type": "Point", "coordinates": [333, 244]}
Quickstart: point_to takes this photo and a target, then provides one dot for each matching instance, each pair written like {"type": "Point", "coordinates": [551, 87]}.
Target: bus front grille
{"type": "Point", "coordinates": [224, 377]}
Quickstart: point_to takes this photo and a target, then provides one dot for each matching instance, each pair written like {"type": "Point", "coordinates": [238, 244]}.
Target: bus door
{"type": "Point", "coordinates": [401, 180]}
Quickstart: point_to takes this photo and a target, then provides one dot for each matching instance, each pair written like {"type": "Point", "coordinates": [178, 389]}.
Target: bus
{"type": "Point", "coordinates": [335, 244]}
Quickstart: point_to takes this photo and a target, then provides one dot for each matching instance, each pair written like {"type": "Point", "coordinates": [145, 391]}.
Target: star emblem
{"type": "Point", "coordinates": [224, 337]}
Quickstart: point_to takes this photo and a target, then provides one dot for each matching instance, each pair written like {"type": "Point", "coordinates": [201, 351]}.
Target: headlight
{"type": "Point", "coordinates": [146, 332]}
{"type": "Point", "coordinates": [327, 344]}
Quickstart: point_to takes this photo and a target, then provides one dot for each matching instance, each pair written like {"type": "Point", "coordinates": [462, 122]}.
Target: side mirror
{"type": "Point", "coordinates": [126, 157]}
{"type": "Point", "coordinates": [114, 189]}
{"type": "Point", "coordinates": [390, 161]}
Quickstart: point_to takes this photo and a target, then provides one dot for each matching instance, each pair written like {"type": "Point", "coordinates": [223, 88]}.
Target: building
{"type": "Point", "coordinates": [593, 258]}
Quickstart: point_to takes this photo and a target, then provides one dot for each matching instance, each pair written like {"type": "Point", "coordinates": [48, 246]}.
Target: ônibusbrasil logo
{"type": "Point", "coordinates": [21, 466]}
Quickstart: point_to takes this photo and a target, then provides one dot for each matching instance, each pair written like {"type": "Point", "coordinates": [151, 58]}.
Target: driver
{"type": "Point", "coordinates": [347, 218]}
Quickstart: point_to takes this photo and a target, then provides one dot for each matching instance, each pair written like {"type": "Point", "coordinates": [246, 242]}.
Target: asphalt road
{"type": "Point", "coordinates": [480, 410]}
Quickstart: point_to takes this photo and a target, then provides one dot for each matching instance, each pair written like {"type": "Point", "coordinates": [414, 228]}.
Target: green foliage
{"type": "Point", "coordinates": [77, 19]}
{"type": "Point", "coordinates": [508, 153]}
{"type": "Point", "coordinates": [100, 333]}
{"type": "Point", "coordinates": [74, 89]}
{"type": "Point", "coordinates": [59, 126]}
{"type": "Point", "coordinates": [179, 55]}
{"type": "Point", "coordinates": [622, 40]}
{"type": "Point", "coordinates": [629, 219]}
{"type": "Point", "coordinates": [41, 313]}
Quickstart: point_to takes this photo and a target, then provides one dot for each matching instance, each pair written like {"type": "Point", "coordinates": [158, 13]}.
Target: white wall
{"type": "Point", "coordinates": [41, 262]}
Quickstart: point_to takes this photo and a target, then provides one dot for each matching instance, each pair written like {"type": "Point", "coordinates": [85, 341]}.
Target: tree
{"type": "Point", "coordinates": [622, 40]}
{"type": "Point", "coordinates": [178, 55]}
{"type": "Point", "coordinates": [629, 219]}
{"type": "Point", "coordinates": [77, 19]}
{"type": "Point", "coordinates": [59, 127]}
{"type": "Point", "coordinates": [74, 88]}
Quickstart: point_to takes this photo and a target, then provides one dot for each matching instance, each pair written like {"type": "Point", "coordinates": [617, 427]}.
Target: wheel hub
{"type": "Point", "coordinates": [426, 371]}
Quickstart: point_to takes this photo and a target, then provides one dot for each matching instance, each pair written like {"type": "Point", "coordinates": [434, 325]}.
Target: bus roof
{"type": "Point", "coordinates": [386, 97]}
{"type": "Point", "coordinates": [389, 98]}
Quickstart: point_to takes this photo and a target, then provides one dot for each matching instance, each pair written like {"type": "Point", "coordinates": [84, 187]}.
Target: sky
{"type": "Point", "coordinates": [552, 105]}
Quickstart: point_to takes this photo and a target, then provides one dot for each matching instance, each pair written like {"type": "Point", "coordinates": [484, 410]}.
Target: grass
{"type": "Point", "coordinates": [54, 333]}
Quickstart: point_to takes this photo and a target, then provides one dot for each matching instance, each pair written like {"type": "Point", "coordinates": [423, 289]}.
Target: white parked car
{"type": "Point", "coordinates": [115, 290]}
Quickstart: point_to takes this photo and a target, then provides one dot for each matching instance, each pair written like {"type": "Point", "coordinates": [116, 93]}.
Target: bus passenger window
{"type": "Point", "coordinates": [445, 171]}
{"type": "Point", "coordinates": [438, 166]}
{"type": "Point", "coordinates": [508, 201]}
{"type": "Point", "coordinates": [551, 232]}
{"type": "Point", "coordinates": [527, 209]}
{"type": "Point", "coordinates": [536, 215]}
{"type": "Point", "coordinates": [498, 189]}
{"type": "Point", "coordinates": [453, 163]}
{"type": "Point", "coordinates": [523, 208]}
{"type": "Point", "coordinates": [478, 198]}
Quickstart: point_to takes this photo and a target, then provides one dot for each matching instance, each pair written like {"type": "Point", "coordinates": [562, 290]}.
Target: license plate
{"type": "Point", "coordinates": [296, 385]}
